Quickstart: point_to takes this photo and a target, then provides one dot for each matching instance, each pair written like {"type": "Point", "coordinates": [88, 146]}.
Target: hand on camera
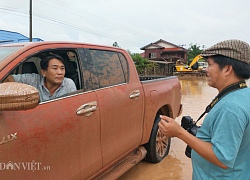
{"type": "Point", "coordinates": [169, 126]}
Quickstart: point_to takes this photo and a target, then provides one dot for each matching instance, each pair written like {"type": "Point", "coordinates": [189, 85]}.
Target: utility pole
{"type": "Point", "coordinates": [30, 20]}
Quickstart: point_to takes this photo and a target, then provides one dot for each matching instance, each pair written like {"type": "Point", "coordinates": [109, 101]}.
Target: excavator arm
{"type": "Point", "coordinates": [195, 60]}
{"type": "Point", "coordinates": [180, 67]}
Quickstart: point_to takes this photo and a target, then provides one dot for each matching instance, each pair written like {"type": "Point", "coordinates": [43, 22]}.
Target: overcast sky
{"type": "Point", "coordinates": [131, 23]}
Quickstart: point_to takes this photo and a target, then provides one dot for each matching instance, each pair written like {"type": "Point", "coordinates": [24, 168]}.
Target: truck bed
{"type": "Point", "coordinates": [148, 78]}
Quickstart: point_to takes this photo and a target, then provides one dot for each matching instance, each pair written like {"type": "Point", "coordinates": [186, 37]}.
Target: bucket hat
{"type": "Point", "coordinates": [235, 49]}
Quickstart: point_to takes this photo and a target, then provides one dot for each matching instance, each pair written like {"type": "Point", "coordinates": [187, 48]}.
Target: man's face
{"type": "Point", "coordinates": [55, 72]}
{"type": "Point", "coordinates": [215, 74]}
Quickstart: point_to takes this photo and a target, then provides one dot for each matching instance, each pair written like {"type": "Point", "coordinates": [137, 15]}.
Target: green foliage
{"type": "Point", "coordinates": [142, 64]}
{"type": "Point", "coordinates": [193, 51]}
{"type": "Point", "coordinates": [115, 44]}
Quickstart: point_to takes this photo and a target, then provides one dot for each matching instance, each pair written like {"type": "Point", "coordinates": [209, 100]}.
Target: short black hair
{"type": "Point", "coordinates": [45, 60]}
{"type": "Point", "coordinates": [241, 69]}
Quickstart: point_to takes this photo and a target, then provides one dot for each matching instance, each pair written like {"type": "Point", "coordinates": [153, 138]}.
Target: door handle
{"type": "Point", "coordinates": [87, 109]}
{"type": "Point", "coordinates": [134, 95]}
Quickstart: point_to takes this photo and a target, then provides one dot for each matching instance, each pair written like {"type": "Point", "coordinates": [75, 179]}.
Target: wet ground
{"type": "Point", "coordinates": [196, 95]}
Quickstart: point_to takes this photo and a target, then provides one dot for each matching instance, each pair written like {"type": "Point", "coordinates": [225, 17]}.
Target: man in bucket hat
{"type": "Point", "coordinates": [220, 149]}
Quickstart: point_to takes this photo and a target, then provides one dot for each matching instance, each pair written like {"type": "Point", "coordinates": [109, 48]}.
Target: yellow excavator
{"type": "Point", "coordinates": [180, 67]}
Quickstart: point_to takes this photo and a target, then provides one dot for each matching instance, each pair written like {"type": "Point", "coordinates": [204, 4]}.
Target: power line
{"type": "Point", "coordinates": [12, 9]}
{"type": "Point", "coordinates": [14, 12]}
{"type": "Point", "coordinates": [41, 17]}
{"type": "Point", "coordinates": [96, 18]}
{"type": "Point", "coordinates": [92, 31]}
{"type": "Point", "coordinates": [44, 18]}
{"type": "Point", "coordinates": [100, 20]}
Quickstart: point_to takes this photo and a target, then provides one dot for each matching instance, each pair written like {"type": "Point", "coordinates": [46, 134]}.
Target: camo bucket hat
{"type": "Point", "coordinates": [235, 49]}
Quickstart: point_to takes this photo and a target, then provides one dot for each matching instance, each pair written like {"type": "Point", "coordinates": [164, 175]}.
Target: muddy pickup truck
{"type": "Point", "coordinates": [99, 131]}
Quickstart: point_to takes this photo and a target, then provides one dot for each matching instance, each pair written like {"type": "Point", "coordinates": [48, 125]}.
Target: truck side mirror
{"type": "Point", "coordinates": [17, 96]}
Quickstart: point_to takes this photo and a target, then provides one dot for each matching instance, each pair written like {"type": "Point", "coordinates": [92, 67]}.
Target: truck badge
{"type": "Point", "coordinates": [8, 138]}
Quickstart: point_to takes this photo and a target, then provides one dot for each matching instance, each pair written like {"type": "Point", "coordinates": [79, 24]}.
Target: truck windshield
{"type": "Point", "coordinates": [5, 51]}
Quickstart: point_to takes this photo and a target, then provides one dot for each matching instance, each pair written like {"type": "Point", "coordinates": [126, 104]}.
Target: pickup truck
{"type": "Point", "coordinates": [99, 131]}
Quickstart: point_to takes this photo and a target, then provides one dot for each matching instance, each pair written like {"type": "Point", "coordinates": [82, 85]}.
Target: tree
{"type": "Point", "coordinates": [115, 44]}
{"type": "Point", "coordinates": [141, 63]}
{"type": "Point", "coordinates": [193, 51]}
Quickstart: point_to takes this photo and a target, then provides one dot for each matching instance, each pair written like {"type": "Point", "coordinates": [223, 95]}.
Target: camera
{"type": "Point", "coordinates": [190, 125]}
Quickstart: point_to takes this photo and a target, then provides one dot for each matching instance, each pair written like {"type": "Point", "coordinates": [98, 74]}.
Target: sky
{"type": "Point", "coordinates": [133, 24]}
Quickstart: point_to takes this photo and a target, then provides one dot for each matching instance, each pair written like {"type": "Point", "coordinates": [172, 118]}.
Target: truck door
{"type": "Point", "coordinates": [120, 102]}
{"type": "Point", "coordinates": [59, 139]}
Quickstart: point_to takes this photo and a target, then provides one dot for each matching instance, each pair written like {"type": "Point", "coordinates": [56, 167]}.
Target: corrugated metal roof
{"type": "Point", "coordinates": [14, 37]}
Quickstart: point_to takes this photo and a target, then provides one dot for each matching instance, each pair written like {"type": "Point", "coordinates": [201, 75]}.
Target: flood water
{"type": "Point", "coordinates": [196, 95]}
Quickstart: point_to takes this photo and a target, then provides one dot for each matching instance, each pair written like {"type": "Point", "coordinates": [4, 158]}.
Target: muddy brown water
{"type": "Point", "coordinates": [196, 95]}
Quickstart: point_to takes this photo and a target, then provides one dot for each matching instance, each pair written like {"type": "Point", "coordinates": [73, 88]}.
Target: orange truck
{"type": "Point", "coordinates": [99, 131]}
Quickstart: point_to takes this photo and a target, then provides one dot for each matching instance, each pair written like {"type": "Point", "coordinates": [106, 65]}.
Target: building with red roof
{"type": "Point", "coordinates": [164, 51]}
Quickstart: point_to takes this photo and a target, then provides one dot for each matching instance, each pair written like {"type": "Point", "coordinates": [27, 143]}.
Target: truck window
{"type": "Point", "coordinates": [28, 71]}
{"type": "Point", "coordinates": [5, 51]}
{"type": "Point", "coordinates": [32, 64]}
{"type": "Point", "coordinates": [109, 67]}
{"type": "Point", "coordinates": [124, 63]}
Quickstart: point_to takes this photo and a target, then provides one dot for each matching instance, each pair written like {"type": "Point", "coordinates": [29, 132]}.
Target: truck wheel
{"type": "Point", "coordinates": [158, 145]}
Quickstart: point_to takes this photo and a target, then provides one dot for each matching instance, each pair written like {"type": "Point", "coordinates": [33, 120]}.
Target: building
{"type": "Point", "coordinates": [164, 51]}
{"type": "Point", "coordinates": [7, 37]}
{"type": "Point", "coordinates": [165, 54]}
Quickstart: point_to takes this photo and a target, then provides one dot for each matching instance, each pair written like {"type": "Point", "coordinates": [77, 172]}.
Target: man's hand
{"type": "Point", "coordinates": [170, 127]}
{"type": "Point", "coordinates": [9, 79]}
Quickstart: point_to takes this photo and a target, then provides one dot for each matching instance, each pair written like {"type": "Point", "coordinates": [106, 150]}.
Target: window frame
{"type": "Point", "coordinates": [89, 59]}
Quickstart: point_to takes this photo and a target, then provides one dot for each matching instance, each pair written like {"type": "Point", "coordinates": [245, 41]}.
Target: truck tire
{"type": "Point", "coordinates": [158, 145]}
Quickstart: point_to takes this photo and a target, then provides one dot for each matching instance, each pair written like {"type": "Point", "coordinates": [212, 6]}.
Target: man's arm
{"type": "Point", "coordinates": [10, 78]}
{"type": "Point", "coordinates": [71, 87]}
{"type": "Point", "coordinates": [203, 148]}
{"type": "Point", "coordinates": [172, 129]}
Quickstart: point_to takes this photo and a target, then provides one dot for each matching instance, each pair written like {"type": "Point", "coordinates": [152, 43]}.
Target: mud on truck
{"type": "Point", "coordinates": [99, 131]}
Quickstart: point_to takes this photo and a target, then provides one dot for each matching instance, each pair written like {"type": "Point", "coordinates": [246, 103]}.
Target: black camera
{"type": "Point", "coordinates": [190, 125]}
